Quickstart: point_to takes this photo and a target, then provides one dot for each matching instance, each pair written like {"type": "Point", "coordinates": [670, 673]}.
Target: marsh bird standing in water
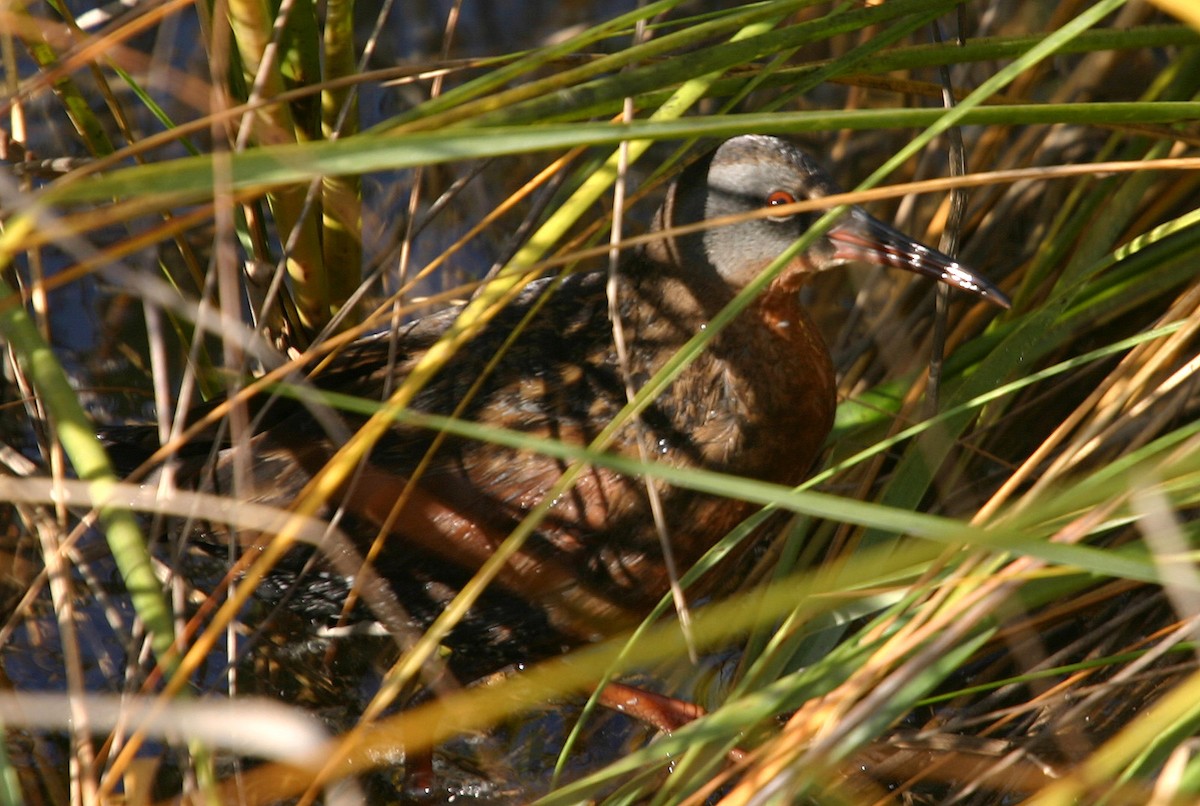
{"type": "Point", "coordinates": [758, 402]}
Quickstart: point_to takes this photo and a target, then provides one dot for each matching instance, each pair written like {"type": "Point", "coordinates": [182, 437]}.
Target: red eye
{"type": "Point", "coordinates": [779, 197]}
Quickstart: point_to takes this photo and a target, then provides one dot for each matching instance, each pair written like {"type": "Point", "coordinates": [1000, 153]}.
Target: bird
{"type": "Point", "coordinates": [757, 402]}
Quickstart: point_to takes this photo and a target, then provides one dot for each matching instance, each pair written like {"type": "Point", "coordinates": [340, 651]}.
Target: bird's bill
{"type": "Point", "coordinates": [859, 236]}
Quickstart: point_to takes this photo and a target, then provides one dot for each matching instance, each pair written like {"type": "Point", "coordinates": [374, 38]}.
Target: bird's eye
{"type": "Point", "coordinates": [780, 197]}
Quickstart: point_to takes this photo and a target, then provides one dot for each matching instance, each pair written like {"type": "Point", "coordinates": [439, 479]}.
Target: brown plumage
{"type": "Point", "coordinates": [758, 402]}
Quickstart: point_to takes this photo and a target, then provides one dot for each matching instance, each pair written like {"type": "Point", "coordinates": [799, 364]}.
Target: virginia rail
{"type": "Point", "coordinates": [758, 402]}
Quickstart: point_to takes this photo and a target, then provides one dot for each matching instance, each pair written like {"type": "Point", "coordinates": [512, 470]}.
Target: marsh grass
{"type": "Point", "coordinates": [986, 598]}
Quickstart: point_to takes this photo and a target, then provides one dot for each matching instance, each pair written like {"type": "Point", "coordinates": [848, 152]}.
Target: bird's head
{"type": "Point", "coordinates": [753, 173]}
